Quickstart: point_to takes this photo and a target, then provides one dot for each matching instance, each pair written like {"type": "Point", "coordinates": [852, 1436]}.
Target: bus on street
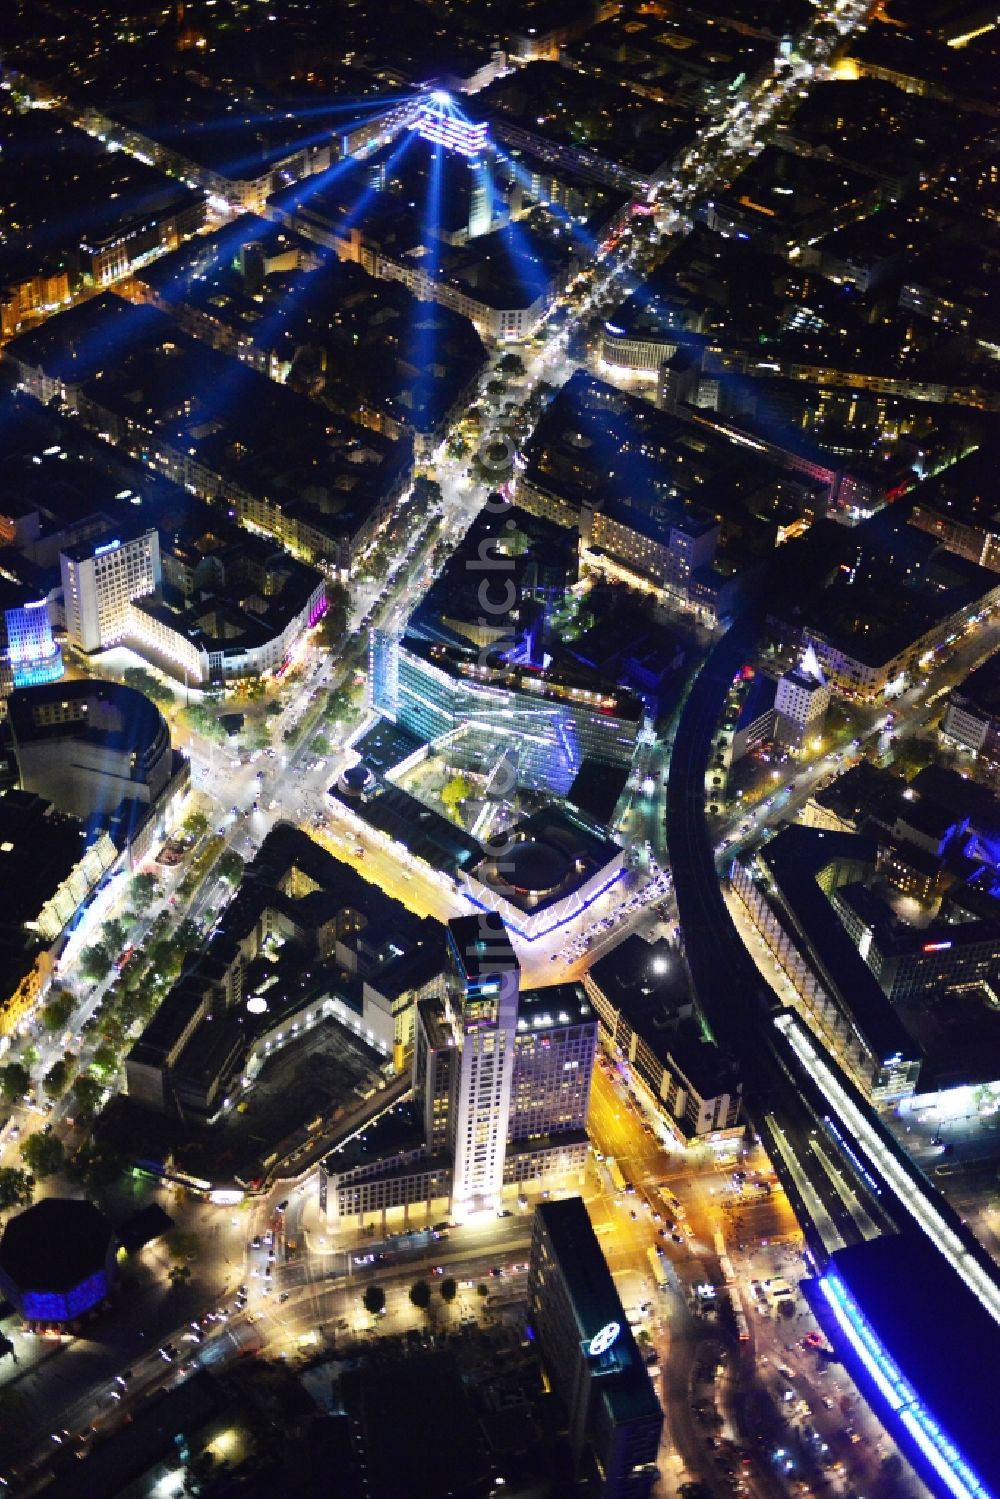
{"type": "Point", "coordinates": [618, 1181]}
{"type": "Point", "coordinates": [658, 1268]}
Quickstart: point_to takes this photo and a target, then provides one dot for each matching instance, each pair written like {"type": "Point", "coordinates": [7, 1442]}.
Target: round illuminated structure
{"type": "Point", "coordinates": [544, 871]}
{"type": "Point", "coordinates": [604, 1340]}
{"type": "Point", "coordinates": [257, 1005]}
{"type": "Point", "coordinates": [356, 780]}
{"type": "Point", "coordinates": [56, 1260]}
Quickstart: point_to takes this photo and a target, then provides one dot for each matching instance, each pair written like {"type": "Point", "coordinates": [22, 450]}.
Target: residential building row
{"type": "Point", "coordinates": [882, 915]}
{"type": "Point", "coordinates": [320, 485]}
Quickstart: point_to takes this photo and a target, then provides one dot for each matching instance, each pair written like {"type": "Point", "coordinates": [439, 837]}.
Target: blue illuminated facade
{"type": "Point", "coordinates": [34, 656]}
{"type": "Point", "coordinates": [543, 722]}
{"type": "Point", "coordinates": [57, 1261]}
{"type": "Point", "coordinates": [936, 1450]}
{"type": "Point", "coordinates": [65, 1306]}
{"type": "Point", "coordinates": [383, 673]}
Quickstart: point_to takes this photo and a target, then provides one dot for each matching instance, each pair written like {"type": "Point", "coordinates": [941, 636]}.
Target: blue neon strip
{"type": "Point", "coordinates": [866, 1175]}
{"type": "Point", "coordinates": [556, 924]}
{"type": "Point", "coordinates": [940, 1452]}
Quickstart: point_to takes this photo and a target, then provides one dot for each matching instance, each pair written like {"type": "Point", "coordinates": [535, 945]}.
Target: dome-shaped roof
{"type": "Point", "coordinates": [356, 779]}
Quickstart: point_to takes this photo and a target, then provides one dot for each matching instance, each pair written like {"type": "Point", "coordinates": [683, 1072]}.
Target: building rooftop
{"type": "Point", "coordinates": [199, 123]}
{"type": "Point", "coordinates": [539, 557]}
{"type": "Point", "coordinates": [597, 788]}
{"type": "Point", "coordinates": [779, 193]}
{"type": "Point", "coordinates": [102, 195]}
{"type": "Point", "coordinates": [862, 792]}
{"type": "Point", "coordinates": [394, 812]}
{"type": "Point", "coordinates": [385, 745]}
{"type": "Point", "coordinates": [422, 1401]}
{"type": "Point", "coordinates": [561, 1004]}
{"type": "Point", "coordinates": [628, 1392]}
{"type": "Point", "coordinates": [647, 984]}
{"type": "Point", "coordinates": [114, 716]}
{"type": "Point", "coordinates": [265, 286]}
{"type": "Point", "coordinates": [963, 798]}
{"type": "Point", "coordinates": [937, 1333]}
{"type": "Point", "coordinates": [980, 692]}
{"type": "Point", "coordinates": [243, 614]}
{"type": "Point", "coordinates": [636, 133]}
{"type": "Point", "coordinates": [75, 484]}
{"type": "Point", "coordinates": [392, 950]}
{"type": "Point", "coordinates": [962, 493]}
{"type": "Point", "coordinates": [564, 683]}
{"type": "Point", "coordinates": [394, 1132]}
{"type": "Point", "coordinates": [903, 585]}
{"type": "Point", "coordinates": [39, 848]}
{"type": "Point", "coordinates": [139, 366]}
{"type": "Point", "coordinates": [796, 860]}
{"type": "Point", "coordinates": [545, 857]}
{"type": "Point", "coordinates": [165, 1031]}
{"type": "Point", "coordinates": [480, 945]}
{"type": "Point", "coordinates": [599, 447]}
{"type": "Point", "coordinates": [55, 1245]}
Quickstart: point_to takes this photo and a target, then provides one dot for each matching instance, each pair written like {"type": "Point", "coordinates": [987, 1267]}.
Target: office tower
{"type": "Point", "coordinates": [501, 1089]}
{"type": "Point", "coordinates": [801, 701]}
{"type": "Point", "coordinates": [433, 1055]}
{"type": "Point", "coordinates": [550, 720]}
{"type": "Point", "coordinates": [614, 1419]}
{"type": "Point", "coordinates": [481, 1008]}
{"type": "Point", "coordinates": [553, 1064]}
{"type": "Point", "coordinates": [440, 122]}
{"type": "Point", "coordinates": [33, 655]}
{"type": "Point", "coordinates": [99, 584]}
{"type": "Point", "coordinates": [481, 193]}
{"type": "Point", "coordinates": [554, 1044]}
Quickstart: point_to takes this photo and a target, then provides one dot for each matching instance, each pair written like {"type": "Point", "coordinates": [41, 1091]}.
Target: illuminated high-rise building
{"type": "Point", "coordinates": [481, 1008]}
{"type": "Point", "coordinates": [440, 122]}
{"type": "Point", "coordinates": [100, 582]}
{"type": "Point", "coordinates": [481, 197]}
{"type": "Point", "coordinates": [801, 701]}
{"type": "Point", "coordinates": [591, 1357]}
{"type": "Point", "coordinates": [32, 653]}
{"type": "Point", "coordinates": [501, 1089]}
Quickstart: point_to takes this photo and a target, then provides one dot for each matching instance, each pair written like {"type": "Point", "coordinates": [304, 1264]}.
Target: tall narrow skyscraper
{"type": "Point", "coordinates": [481, 1007]}
{"type": "Point", "coordinates": [481, 195]}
